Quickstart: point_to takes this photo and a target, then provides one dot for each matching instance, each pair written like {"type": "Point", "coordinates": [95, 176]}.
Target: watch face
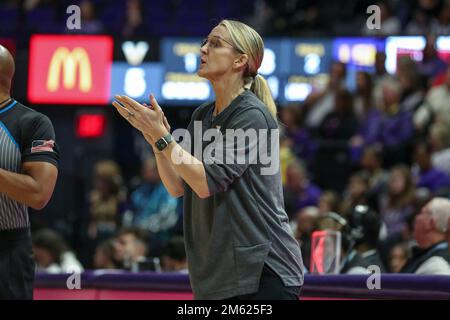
{"type": "Point", "coordinates": [161, 144]}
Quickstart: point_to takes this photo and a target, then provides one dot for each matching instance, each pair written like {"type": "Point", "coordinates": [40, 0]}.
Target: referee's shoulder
{"type": "Point", "coordinates": [29, 115]}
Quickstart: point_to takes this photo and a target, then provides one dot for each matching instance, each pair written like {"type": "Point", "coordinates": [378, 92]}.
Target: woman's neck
{"type": "Point", "coordinates": [226, 91]}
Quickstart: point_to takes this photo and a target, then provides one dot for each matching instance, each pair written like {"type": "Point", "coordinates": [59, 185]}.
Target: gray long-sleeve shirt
{"type": "Point", "coordinates": [242, 225]}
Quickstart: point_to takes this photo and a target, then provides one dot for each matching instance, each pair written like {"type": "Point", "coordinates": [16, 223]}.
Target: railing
{"type": "Point", "coordinates": [150, 285]}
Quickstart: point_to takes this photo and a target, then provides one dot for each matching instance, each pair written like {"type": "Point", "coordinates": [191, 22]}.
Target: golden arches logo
{"type": "Point", "coordinates": [69, 62]}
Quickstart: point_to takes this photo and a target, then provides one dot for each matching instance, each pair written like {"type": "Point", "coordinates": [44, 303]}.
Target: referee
{"type": "Point", "coordinates": [28, 172]}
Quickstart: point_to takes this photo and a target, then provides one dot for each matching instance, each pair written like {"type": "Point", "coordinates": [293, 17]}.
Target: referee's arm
{"type": "Point", "coordinates": [33, 187]}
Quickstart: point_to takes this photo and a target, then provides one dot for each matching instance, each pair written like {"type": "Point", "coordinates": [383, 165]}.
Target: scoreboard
{"type": "Point", "coordinates": [69, 69]}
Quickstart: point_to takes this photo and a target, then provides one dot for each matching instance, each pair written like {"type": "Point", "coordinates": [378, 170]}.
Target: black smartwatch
{"type": "Point", "coordinates": [163, 142]}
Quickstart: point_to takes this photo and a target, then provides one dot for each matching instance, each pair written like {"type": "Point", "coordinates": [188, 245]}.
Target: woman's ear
{"type": "Point", "coordinates": [241, 61]}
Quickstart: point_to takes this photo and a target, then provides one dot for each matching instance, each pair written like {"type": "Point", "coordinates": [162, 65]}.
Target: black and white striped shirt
{"type": "Point", "coordinates": [25, 135]}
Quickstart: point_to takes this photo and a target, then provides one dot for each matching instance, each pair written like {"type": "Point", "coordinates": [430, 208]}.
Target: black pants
{"type": "Point", "coordinates": [271, 287]}
{"type": "Point", "coordinates": [16, 265]}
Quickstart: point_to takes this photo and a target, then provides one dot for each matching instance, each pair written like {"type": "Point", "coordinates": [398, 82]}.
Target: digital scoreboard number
{"type": "Point", "coordinates": [309, 63]}
{"type": "Point", "coordinates": [181, 59]}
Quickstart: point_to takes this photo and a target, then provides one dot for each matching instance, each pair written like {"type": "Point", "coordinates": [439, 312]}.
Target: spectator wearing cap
{"type": "Point", "coordinates": [431, 256]}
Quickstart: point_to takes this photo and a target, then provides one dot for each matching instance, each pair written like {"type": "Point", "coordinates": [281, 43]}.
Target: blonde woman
{"type": "Point", "coordinates": [237, 236]}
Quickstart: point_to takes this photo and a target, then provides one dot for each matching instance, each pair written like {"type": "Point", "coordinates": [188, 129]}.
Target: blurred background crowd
{"type": "Point", "coordinates": [365, 162]}
{"type": "Point", "coordinates": [186, 18]}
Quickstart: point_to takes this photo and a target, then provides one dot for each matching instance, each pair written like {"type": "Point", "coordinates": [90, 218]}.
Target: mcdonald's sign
{"type": "Point", "coordinates": [70, 69]}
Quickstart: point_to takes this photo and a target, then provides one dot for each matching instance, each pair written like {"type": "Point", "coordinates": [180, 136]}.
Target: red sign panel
{"type": "Point", "coordinates": [90, 125]}
{"type": "Point", "coordinates": [70, 69]}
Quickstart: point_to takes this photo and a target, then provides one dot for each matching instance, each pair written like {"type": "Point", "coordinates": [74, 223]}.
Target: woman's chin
{"type": "Point", "coordinates": [202, 74]}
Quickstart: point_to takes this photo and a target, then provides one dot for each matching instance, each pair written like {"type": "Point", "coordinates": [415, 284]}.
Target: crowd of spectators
{"type": "Point", "coordinates": [366, 162]}
{"type": "Point", "coordinates": [376, 155]}
{"type": "Point", "coordinates": [158, 18]}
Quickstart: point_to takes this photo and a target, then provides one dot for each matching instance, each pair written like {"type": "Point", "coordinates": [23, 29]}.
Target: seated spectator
{"type": "Point", "coordinates": [104, 255]}
{"type": "Point", "coordinates": [425, 175]}
{"type": "Point", "coordinates": [303, 227]}
{"type": "Point", "coordinates": [439, 138]}
{"type": "Point", "coordinates": [52, 255]}
{"type": "Point", "coordinates": [299, 191]}
{"type": "Point", "coordinates": [371, 162]}
{"type": "Point", "coordinates": [153, 207]}
{"type": "Point", "coordinates": [398, 256]}
{"type": "Point", "coordinates": [380, 77]}
{"type": "Point", "coordinates": [134, 23]}
{"type": "Point", "coordinates": [292, 123]}
{"type": "Point", "coordinates": [130, 247]}
{"type": "Point", "coordinates": [332, 165]}
{"type": "Point", "coordinates": [411, 85]}
{"type": "Point", "coordinates": [319, 104]}
{"type": "Point", "coordinates": [106, 200]}
{"type": "Point", "coordinates": [435, 108]}
{"type": "Point", "coordinates": [431, 255]}
{"type": "Point", "coordinates": [363, 100]}
{"type": "Point", "coordinates": [328, 202]}
{"type": "Point", "coordinates": [432, 65]}
{"type": "Point", "coordinates": [341, 123]}
{"type": "Point", "coordinates": [396, 205]}
{"type": "Point", "coordinates": [174, 256]}
{"type": "Point", "coordinates": [365, 225]}
{"type": "Point", "coordinates": [396, 126]}
{"type": "Point", "coordinates": [355, 193]}
{"type": "Point", "coordinates": [369, 117]}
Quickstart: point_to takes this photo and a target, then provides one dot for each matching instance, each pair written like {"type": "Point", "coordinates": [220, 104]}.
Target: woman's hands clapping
{"type": "Point", "coordinates": [149, 119]}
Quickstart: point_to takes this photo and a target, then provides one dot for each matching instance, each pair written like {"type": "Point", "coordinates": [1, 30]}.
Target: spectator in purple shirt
{"type": "Point", "coordinates": [396, 205]}
{"type": "Point", "coordinates": [369, 116]}
{"type": "Point", "coordinates": [292, 122]}
{"type": "Point", "coordinates": [425, 174]}
{"type": "Point", "coordinates": [397, 127]}
{"type": "Point", "coordinates": [299, 191]}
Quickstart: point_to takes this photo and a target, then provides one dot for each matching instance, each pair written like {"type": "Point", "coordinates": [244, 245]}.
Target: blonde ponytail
{"type": "Point", "coordinates": [261, 89]}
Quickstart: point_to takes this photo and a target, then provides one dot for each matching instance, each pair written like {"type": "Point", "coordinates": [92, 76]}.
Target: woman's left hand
{"type": "Point", "coordinates": [148, 120]}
